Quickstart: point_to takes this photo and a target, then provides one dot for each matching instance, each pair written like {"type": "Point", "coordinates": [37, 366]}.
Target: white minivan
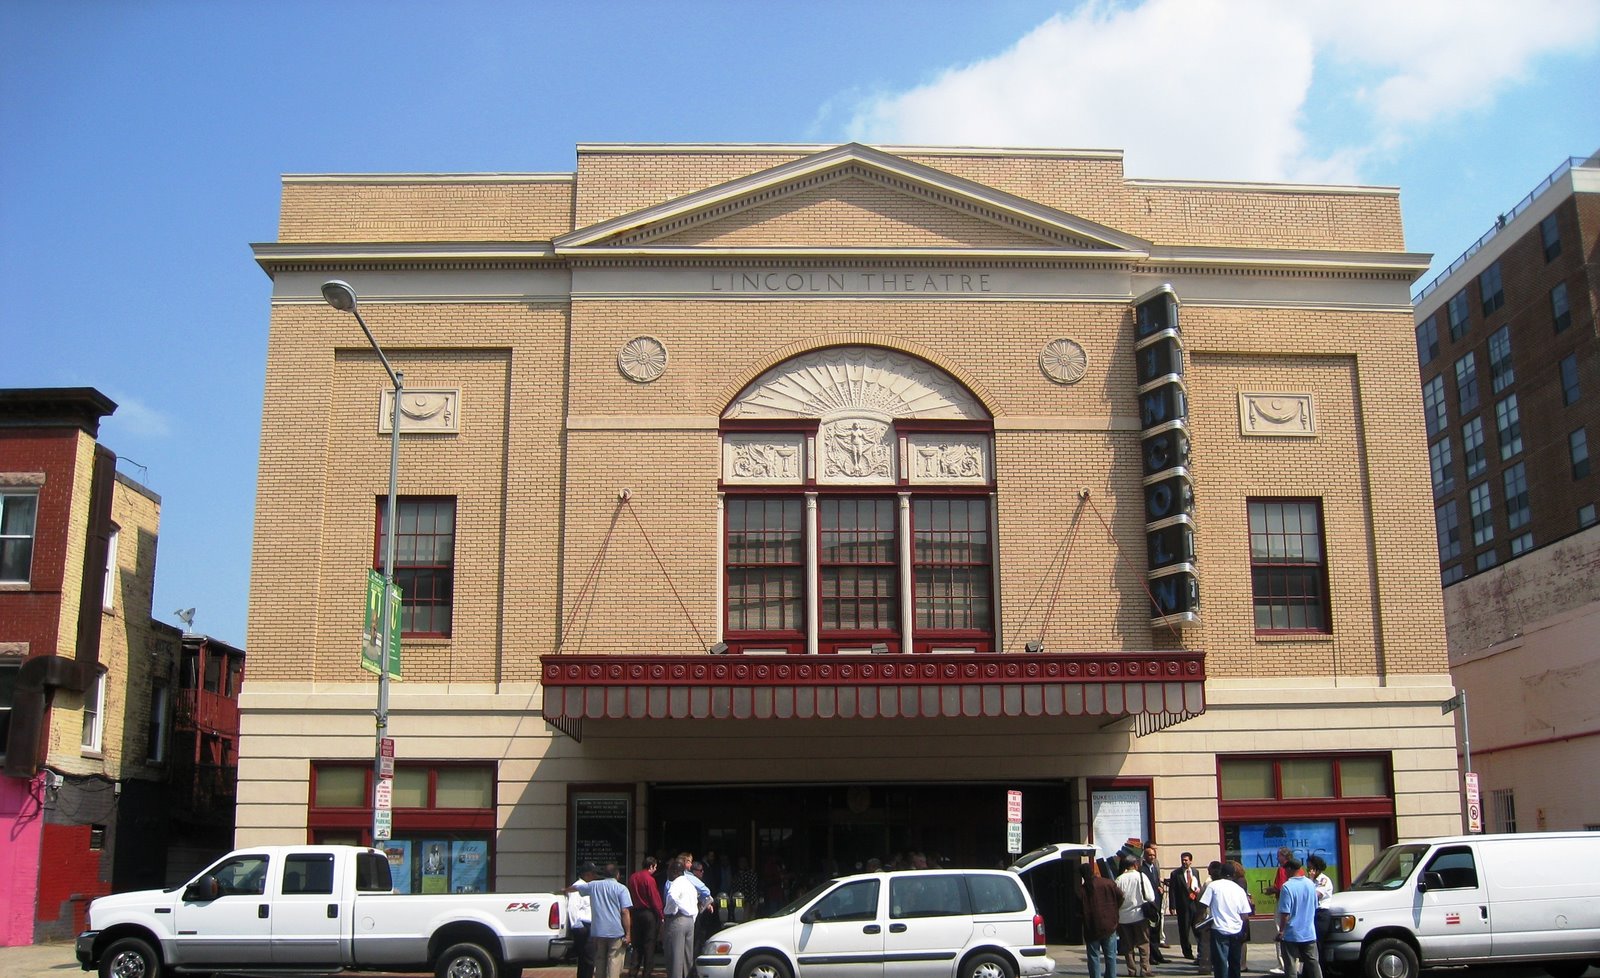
{"type": "Point", "coordinates": [1470, 899]}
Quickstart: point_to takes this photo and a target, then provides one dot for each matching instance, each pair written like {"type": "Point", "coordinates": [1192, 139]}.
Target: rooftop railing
{"type": "Point", "coordinates": [1500, 223]}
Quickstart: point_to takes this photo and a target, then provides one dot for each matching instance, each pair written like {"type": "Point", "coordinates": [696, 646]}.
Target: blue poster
{"type": "Point", "coordinates": [399, 853]}
{"type": "Point", "coordinates": [469, 867]}
{"type": "Point", "coordinates": [1257, 849]}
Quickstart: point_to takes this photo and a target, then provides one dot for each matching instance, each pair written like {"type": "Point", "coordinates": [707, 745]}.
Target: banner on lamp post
{"type": "Point", "coordinates": [372, 627]}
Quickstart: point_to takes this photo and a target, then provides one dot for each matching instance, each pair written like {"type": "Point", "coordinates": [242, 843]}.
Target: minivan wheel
{"type": "Point", "coordinates": [1390, 957]}
{"type": "Point", "coordinates": [988, 966]}
{"type": "Point", "coordinates": [764, 966]}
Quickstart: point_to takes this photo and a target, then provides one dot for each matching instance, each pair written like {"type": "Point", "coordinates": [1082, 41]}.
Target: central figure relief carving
{"type": "Point", "coordinates": [857, 450]}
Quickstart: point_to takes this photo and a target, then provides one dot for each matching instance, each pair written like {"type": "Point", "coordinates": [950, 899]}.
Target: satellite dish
{"type": "Point", "coordinates": [185, 615]}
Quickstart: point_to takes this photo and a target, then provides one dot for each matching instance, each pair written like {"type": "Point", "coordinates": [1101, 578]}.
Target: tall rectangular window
{"type": "Point", "coordinates": [1586, 516]}
{"type": "Point", "coordinates": [1467, 383]}
{"type": "Point", "coordinates": [1433, 406]}
{"type": "Point", "coordinates": [1550, 237]}
{"type": "Point", "coordinates": [1456, 310]}
{"type": "Point", "coordinates": [1560, 308]}
{"type": "Point", "coordinates": [1439, 461]}
{"type": "Point", "coordinates": [1472, 450]}
{"type": "Point", "coordinates": [1504, 806]}
{"type": "Point", "coordinates": [1447, 525]}
{"type": "Point", "coordinates": [157, 732]}
{"type": "Point", "coordinates": [1508, 422]}
{"type": "Point", "coordinates": [1518, 511]}
{"type": "Point", "coordinates": [951, 564]}
{"type": "Point", "coordinates": [17, 514]}
{"type": "Point", "coordinates": [1427, 340]}
{"type": "Point", "coordinates": [1490, 290]}
{"type": "Point", "coordinates": [858, 559]}
{"type": "Point", "coordinates": [94, 698]}
{"type": "Point", "coordinates": [1501, 372]}
{"type": "Point", "coordinates": [108, 586]}
{"type": "Point", "coordinates": [424, 562]}
{"type": "Point", "coordinates": [1578, 451]}
{"type": "Point", "coordinates": [766, 564]}
{"type": "Point", "coordinates": [1569, 379]}
{"type": "Point", "coordinates": [1482, 506]}
{"type": "Point", "coordinates": [1288, 568]}
{"type": "Point", "coordinates": [9, 668]}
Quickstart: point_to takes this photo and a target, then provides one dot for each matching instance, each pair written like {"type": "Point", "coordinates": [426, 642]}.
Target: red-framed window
{"type": "Point", "coordinates": [1338, 806]}
{"type": "Point", "coordinates": [424, 561]}
{"type": "Point", "coordinates": [766, 568]}
{"type": "Point", "coordinates": [1288, 566]}
{"type": "Point", "coordinates": [444, 821]}
{"type": "Point", "coordinates": [858, 565]}
{"type": "Point", "coordinates": [952, 568]}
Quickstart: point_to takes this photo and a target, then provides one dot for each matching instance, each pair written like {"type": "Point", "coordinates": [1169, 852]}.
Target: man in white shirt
{"type": "Point", "coordinates": [1230, 909]}
{"type": "Point", "coordinates": [1133, 931]}
{"type": "Point", "coordinates": [682, 904]}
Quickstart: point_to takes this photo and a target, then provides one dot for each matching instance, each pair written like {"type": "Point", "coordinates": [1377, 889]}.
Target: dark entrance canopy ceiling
{"type": "Point", "coordinates": [1157, 689]}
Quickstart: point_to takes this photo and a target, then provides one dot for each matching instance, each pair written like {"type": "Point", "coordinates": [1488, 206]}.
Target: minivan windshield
{"type": "Point", "coordinates": [1392, 868]}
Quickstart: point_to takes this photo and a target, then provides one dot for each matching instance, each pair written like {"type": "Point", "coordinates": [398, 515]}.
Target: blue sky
{"type": "Point", "coordinates": [141, 146]}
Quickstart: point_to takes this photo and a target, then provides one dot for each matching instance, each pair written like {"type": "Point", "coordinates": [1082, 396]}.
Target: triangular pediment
{"type": "Point", "coordinates": [852, 198]}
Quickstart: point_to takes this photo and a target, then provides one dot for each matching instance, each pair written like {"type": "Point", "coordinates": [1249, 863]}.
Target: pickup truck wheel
{"type": "Point", "coordinates": [466, 961]}
{"type": "Point", "coordinates": [764, 966]}
{"type": "Point", "coordinates": [1390, 957]}
{"type": "Point", "coordinates": [130, 957]}
{"type": "Point", "coordinates": [988, 966]}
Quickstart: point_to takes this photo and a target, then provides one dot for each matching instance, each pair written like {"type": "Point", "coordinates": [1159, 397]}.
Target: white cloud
{"type": "Point", "coordinates": [1223, 89]}
{"type": "Point", "coordinates": [137, 418]}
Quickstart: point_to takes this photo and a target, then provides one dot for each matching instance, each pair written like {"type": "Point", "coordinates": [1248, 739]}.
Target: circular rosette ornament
{"type": "Point", "coordinates": [1063, 361]}
{"type": "Point", "coordinates": [642, 359]}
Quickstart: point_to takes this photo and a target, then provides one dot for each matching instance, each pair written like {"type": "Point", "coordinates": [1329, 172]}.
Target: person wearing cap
{"type": "Point", "coordinates": [610, 921]}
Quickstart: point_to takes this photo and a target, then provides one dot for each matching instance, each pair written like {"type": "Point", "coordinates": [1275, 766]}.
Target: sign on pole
{"type": "Point", "coordinates": [382, 825]}
{"type": "Point", "coordinates": [1014, 822]}
{"type": "Point", "coordinates": [386, 757]}
{"type": "Point", "coordinates": [372, 627]}
{"type": "Point", "coordinates": [1452, 704]}
{"type": "Point", "coordinates": [383, 795]}
{"type": "Point", "coordinates": [1474, 804]}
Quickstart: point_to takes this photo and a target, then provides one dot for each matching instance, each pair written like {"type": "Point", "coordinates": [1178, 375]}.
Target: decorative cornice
{"type": "Point", "coordinates": [1266, 188]}
{"type": "Point", "coordinates": [380, 178]}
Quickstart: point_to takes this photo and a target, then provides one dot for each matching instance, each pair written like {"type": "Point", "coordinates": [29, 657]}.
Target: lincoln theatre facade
{"type": "Point", "coordinates": [800, 503]}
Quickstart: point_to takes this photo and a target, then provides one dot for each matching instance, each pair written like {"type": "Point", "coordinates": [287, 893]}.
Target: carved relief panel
{"type": "Point", "coordinates": [1290, 415]}
{"type": "Point", "coordinates": [763, 458]}
{"type": "Point", "coordinates": [857, 451]}
{"type": "Point", "coordinates": [948, 459]}
{"type": "Point", "coordinates": [435, 411]}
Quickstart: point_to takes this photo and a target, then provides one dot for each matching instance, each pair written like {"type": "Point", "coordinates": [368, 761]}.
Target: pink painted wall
{"type": "Point", "coordinates": [21, 828]}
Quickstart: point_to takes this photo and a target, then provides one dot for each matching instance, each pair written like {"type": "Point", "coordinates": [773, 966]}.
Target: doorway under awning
{"type": "Point", "coordinates": [1156, 689]}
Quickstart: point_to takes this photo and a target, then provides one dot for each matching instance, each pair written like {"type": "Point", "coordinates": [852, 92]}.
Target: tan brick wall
{"type": "Point", "coordinates": [425, 210]}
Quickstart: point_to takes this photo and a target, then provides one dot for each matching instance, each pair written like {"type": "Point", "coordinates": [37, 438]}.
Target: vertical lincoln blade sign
{"type": "Point", "coordinates": [1164, 449]}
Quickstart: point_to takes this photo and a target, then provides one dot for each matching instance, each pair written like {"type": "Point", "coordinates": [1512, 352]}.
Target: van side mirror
{"type": "Point", "coordinates": [1431, 881]}
{"type": "Point", "coordinates": [203, 890]}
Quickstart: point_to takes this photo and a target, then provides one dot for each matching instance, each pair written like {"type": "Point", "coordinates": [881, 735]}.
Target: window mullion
{"type": "Point", "coordinates": [813, 578]}
{"type": "Point", "coordinates": [907, 599]}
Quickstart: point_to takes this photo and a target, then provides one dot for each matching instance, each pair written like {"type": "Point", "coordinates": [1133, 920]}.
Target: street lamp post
{"type": "Point", "coordinates": [342, 297]}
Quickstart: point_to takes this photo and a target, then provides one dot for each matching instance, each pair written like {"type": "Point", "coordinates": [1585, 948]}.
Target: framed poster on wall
{"type": "Point", "coordinates": [1118, 814]}
{"type": "Point", "coordinates": [599, 825]}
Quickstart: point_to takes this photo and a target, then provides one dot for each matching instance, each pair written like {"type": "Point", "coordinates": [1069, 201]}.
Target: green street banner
{"type": "Point", "coordinates": [372, 627]}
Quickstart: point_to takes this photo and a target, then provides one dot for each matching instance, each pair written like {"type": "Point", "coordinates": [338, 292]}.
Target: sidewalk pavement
{"type": "Point", "coordinates": [57, 961]}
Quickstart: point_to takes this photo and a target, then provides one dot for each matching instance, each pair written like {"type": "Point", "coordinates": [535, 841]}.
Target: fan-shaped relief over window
{"type": "Point", "coordinates": [856, 381]}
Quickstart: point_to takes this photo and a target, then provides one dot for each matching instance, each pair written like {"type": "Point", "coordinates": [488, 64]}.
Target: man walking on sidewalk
{"type": "Point", "coordinates": [1297, 923]}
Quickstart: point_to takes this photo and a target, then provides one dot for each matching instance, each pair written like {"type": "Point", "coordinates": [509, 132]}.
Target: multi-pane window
{"type": "Point", "coordinates": [9, 668]}
{"type": "Point", "coordinates": [1439, 460]}
{"type": "Point", "coordinates": [1467, 383]}
{"type": "Point", "coordinates": [94, 721]}
{"type": "Point", "coordinates": [1578, 450]}
{"type": "Point", "coordinates": [17, 513]}
{"type": "Point", "coordinates": [1518, 511]}
{"type": "Point", "coordinates": [1521, 545]}
{"type": "Point", "coordinates": [1433, 406]}
{"type": "Point", "coordinates": [1456, 310]}
{"type": "Point", "coordinates": [1490, 290]}
{"type": "Point", "coordinates": [1451, 574]}
{"type": "Point", "coordinates": [1550, 236]}
{"type": "Point", "coordinates": [1427, 340]}
{"type": "Point", "coordinates": [951, 560]}
{"type": "Point", "coordinates": [859, 564]}
{"type": "Point", "coordinates": [1447, 525]}
{"type": "Point", "coordinates": [1472, 450]}
{"type": "Point", "coordinates": [424, 562]}
{"type": "Point", "coordinates": [1586, 515]}
{"type": "Point", "coordinates": [1508, 422]}
{"type": "Point", "coordinates": [1288, 568]}
{"type": "Point", "coordinates": [766, 562]}
{"type": "Point", "coordinates": [1482, 508]}
{"type": "Point", "coordinates": [1560, 308]}
{"type": "Point", "coordinates": [1486, 560]}
{"type": "Point", "coordinates": [1569, 379]}
{"type": "Point", "coordinates": [1501, 372]}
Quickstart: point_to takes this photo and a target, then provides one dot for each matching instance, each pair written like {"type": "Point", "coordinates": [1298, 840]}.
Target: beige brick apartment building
{"type": "Point", "coordinates": [799, 502]}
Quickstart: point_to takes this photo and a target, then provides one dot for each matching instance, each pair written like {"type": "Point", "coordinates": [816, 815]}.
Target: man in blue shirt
{"type": "Point", "coordinates": [610, 928]}
{"type": "Point", "coordinates": [1297, 920]}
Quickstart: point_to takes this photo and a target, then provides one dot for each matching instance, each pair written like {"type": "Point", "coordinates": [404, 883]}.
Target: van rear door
{"type": "Point", "coordinates": [1450, 906]}
{"type": "Point", "coordinates": [1538, 912]}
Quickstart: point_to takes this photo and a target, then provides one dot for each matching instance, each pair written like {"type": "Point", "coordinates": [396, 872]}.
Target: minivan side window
{"type": "Point", "coordinates": [1456, 866]}
{"type": "Point", "coordinates": [995, 894]}
{"type": "Point", "coordinates": [928, 895]}
{"type": "Point", "coordinates": [852, 901]}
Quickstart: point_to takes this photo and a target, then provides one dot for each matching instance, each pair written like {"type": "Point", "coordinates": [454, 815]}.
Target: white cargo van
{"type": "Point", "coordinates": [1470, 899]}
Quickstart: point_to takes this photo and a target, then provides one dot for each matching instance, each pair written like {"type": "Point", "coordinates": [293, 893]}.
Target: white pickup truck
{"type": "Point", "coordinates": [317, 909]}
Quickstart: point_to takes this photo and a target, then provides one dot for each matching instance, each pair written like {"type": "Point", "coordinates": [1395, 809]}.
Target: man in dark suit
{"type": "Point", "coordinates": [1151, 867]}
{"type": "Point", "coordinates": [1183, 891]}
